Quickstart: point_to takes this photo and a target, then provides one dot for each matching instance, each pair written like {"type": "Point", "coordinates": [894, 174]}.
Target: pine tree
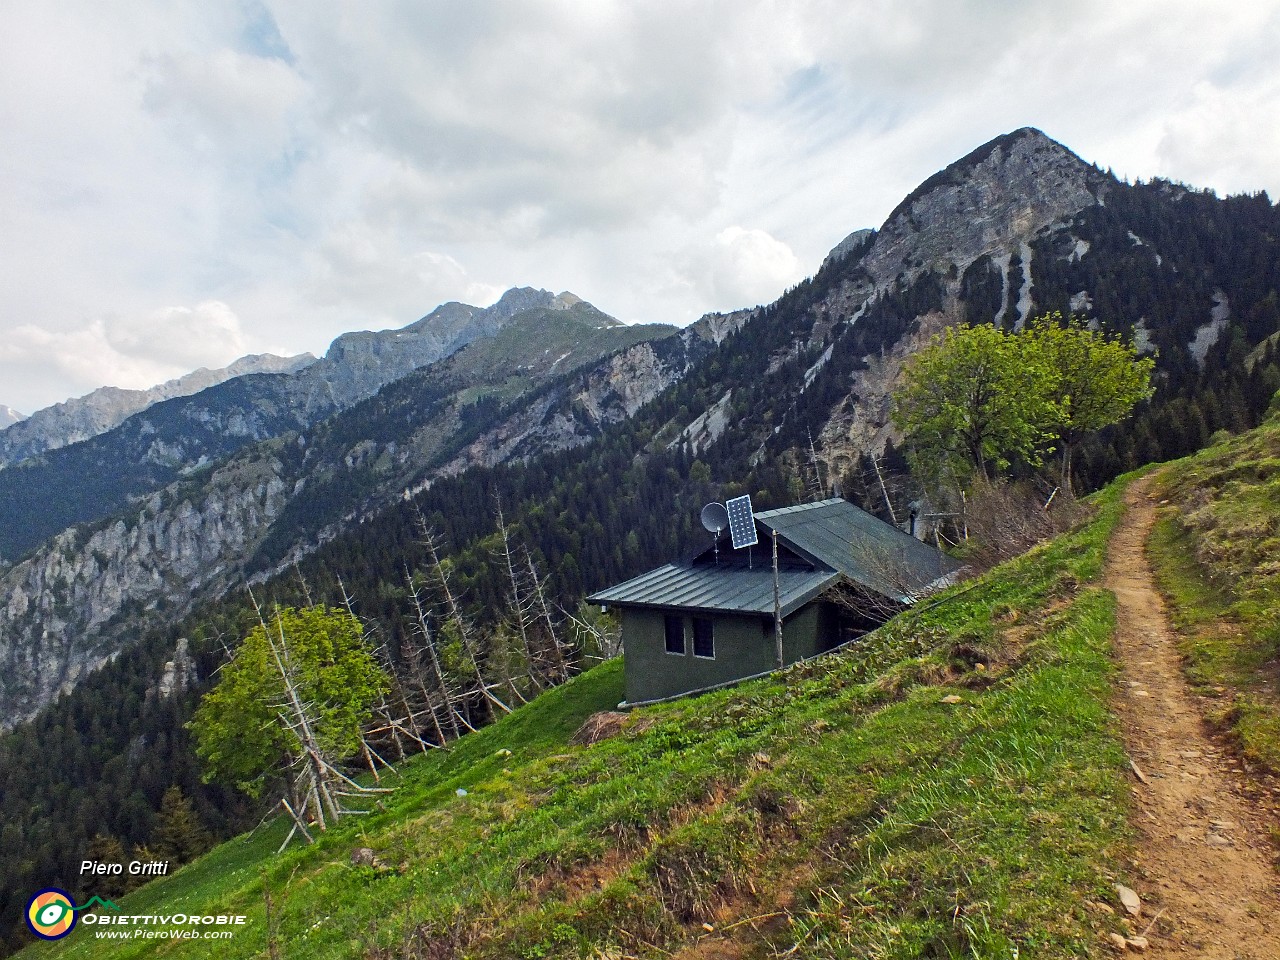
{"type": "Point", "coordinates": [104, 848]}
{"type": "Point", "coordinates": [179, 835]}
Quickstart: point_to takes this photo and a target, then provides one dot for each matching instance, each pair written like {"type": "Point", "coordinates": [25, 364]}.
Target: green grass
{"type": "Point", "coordinates": [1216, 552]}
{"type": "Point", "coordinates": [841, 808]}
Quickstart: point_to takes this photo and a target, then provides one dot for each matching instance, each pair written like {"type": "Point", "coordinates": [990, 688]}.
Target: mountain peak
{"type": "Point", "coordinates": [518, 299]}
{"type": "Point", "coordinates": [848, 245]}
{"type": "Point", "coordinates": [998, 195]}
{"type": "Point", "coordinates": [9, 416]}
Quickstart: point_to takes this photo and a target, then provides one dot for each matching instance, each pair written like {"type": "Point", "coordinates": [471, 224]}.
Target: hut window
{"type": "Point", "coordinates": [675, 633]}
{"type": "Point", "coordinates": [704, 638]}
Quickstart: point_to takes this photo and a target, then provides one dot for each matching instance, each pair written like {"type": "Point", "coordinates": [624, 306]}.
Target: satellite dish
{"type": "Point", "coordinates": [715, 518]}
{"type": "Point", "coordinates": [742, 522]}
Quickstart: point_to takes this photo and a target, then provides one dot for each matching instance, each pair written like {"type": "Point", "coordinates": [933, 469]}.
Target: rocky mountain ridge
{"type": "Point", "coordinates": [988, 206]}
{"type": "Point", "coordinates": [93, 479]}
{"type": "Point", "coordinates": [98, 411]}
{"type": "Point", "coordinates": [65, 610]}
{"type": "Point", "coordinates": [992, 200]}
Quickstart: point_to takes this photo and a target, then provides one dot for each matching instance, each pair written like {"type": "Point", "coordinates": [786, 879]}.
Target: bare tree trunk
{"type": "Point", "coordinates": [440, 682]}
{"type": "Point", "coordinates": [884, 491]}
{"type": "Point", "coordinates": [818, 489]}
{"type": "Point", "coordinates": [519, 603]}
{"type": "Point", "coordinates": [456, 617]}
{"type": "Point", "coordinates": [561, 662]}
{"type": "Point", "coordinates": [777, 604]}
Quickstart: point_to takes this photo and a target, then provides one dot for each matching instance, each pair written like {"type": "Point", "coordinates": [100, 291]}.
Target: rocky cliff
{"type": "Point", "coordinates": [68, 608]}
{"type": "Point", "coordinates": [886, 292]}
{"type": "Point", "coordinates": [989, 202]}
{"type": "Point", "coordinates": [577, 410]}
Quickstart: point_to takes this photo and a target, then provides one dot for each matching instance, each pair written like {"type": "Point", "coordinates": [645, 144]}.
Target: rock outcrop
{"type": "Point", "coordinates": [179, 673]}
{"type": "Point", "coordinates": [67, 609]}
{"type": "Point", "coordinates": [579, 409]}
{"type": "Point", "coordinates": [988, 202]}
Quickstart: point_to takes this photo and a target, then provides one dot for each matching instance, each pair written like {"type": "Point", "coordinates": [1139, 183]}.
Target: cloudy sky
{"type": "Point", "coordinates": [184, 182]}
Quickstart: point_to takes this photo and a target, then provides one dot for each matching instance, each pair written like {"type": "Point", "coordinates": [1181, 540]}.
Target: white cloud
{"type": "Point", "coordinates": [131, 352]}
{"type": "Point", "coordinates": [225, 101]}
{"type": "Point", "coordinates": [741, 267]}
{"type": "Point", "coordinates": [360, 269]}
{"type": "Point", "coordinates": [1224, 139]}
{"type": "Point", "coordinates": [206, 335]}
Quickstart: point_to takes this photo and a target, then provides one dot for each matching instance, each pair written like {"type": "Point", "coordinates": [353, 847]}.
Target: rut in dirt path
{"type": "Point", "coordinates": [1205, 869]}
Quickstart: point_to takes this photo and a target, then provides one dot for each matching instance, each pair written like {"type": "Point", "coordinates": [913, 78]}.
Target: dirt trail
{"type": "Point", "coordinates": [1204, 869]}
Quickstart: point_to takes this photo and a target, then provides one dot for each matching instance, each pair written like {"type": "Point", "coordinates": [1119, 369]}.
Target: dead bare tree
{"type": "Point", "coordinates": [888, 501]}
{"type": "Point", "coordinates": [440, 691]}
{"type": "Point", "coordinates": [520, 599]}
{"type": "Point", "coordinates": [1006, 519]}
{"type": "Point", "coordinates": [817, 489]}
{"type": "Point", "coordinates": [455, 616]}
{"type": "Point", "coordinates": [608, 642]}
{"type": "Point", "coordinates": [391, 725]}
{"type": "Point", "coordinates": [890, 584]}
{"type": "Point", "coordinates": [559, 654]}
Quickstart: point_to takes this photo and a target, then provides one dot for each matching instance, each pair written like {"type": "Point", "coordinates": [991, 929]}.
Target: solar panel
{"type": "Point", "coordinates": [742, 522]}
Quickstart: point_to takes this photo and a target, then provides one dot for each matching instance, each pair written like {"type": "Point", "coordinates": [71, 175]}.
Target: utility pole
{"type": "Point", "coordinates": [777, 604]}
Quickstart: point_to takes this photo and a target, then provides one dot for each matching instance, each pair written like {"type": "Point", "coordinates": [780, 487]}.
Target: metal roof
{"type": "Point", "coordinates": [836, 539]}
{"type": "Point", "coordinates": [864, 548]}
{"type": "Point", "coordinates": [720, 589]}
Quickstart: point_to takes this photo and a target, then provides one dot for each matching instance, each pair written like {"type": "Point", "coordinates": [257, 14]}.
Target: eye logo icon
{"type": "Point", "coordinates": [51, 914]}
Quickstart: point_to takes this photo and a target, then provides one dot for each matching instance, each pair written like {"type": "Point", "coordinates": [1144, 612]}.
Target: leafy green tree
{"type": "Point", "coordinates": [978, 398]}
{"type": "Point", "coordinates": [972, 401]}
{"type": "Point", "coordinates": [244, 729]}
{"type": "Point", "coordinates": [1096, 380]}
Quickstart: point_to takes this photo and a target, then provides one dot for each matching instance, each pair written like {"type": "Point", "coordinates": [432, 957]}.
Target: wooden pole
{"type": "Point", "coordinates": [875, 462]}
{"type": "Point", "coordinates": [777, 604]}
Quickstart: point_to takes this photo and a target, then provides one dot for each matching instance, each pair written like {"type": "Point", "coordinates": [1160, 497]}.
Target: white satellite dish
{"type": "Point", "coordinates": [715, 518]}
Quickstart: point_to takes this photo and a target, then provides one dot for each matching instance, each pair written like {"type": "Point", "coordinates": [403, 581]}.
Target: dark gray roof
{"type": "Point", "coordinates": [723, 589]}
{"type": "Point", "coordinates": [837, 540]}
{"type": "Point", "coordinates": [868, 551]}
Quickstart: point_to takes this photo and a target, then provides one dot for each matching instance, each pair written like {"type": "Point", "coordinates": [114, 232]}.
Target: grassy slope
{"type": "Point", "coordinates": [1217, 557]}
{"type": "Point", "coordinates": [843, 807]}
